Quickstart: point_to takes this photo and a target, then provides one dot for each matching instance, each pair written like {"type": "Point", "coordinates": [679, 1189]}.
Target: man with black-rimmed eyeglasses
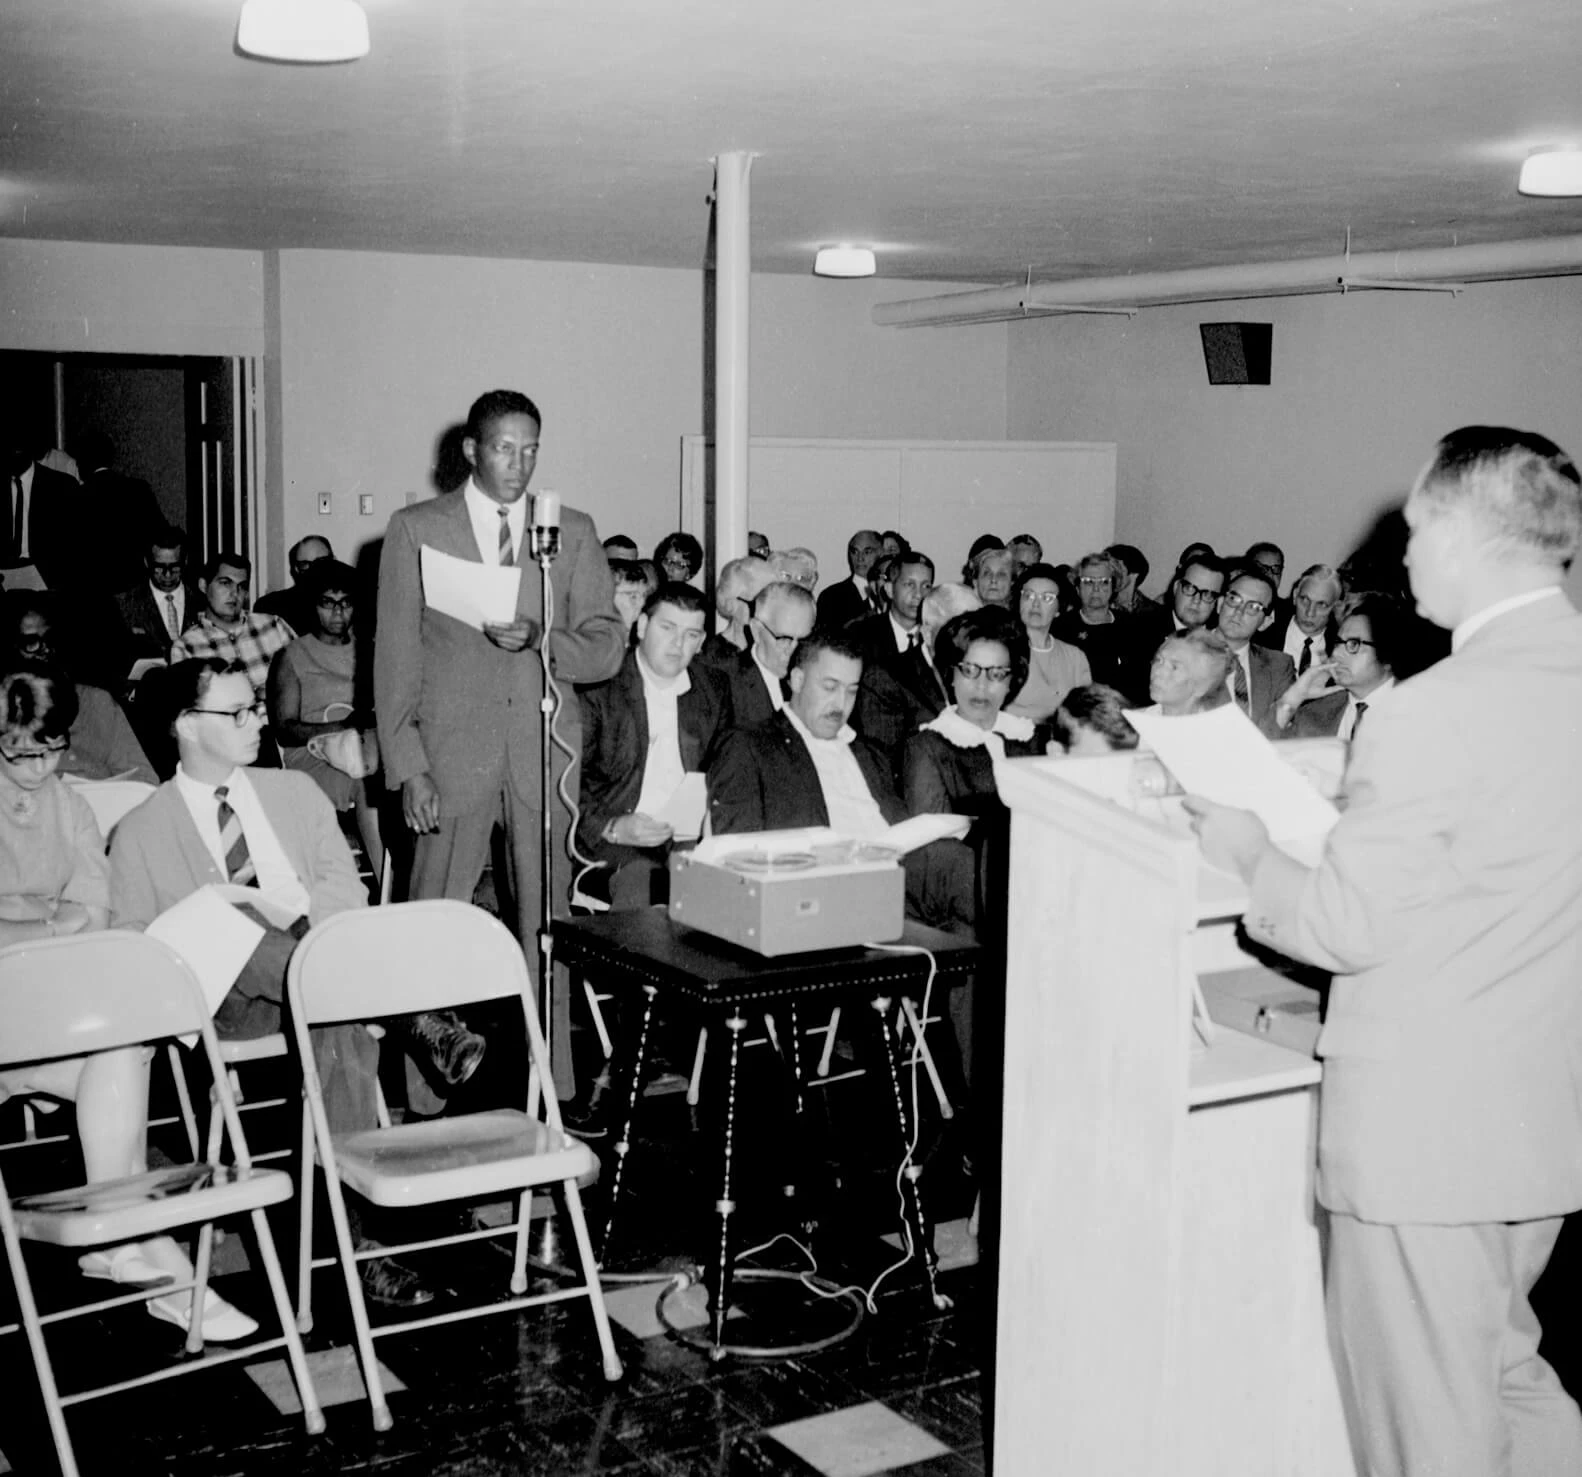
{"type": "Point", "coordinates": [1260, 676]}
{"type": "Point", "coordinates": [1189, 605]}
{"type": "Point", "coordinates": [782, 615]}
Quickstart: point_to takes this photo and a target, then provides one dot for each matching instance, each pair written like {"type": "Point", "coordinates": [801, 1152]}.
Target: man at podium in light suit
{"type": "Point", "coordinates": [1448, 903]}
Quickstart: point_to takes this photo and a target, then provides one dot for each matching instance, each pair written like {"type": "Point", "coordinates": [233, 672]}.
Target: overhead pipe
{"type": "Point", "coordinates": [1553, 256]}
{"type": "Point", "coordinates": [732, 347]}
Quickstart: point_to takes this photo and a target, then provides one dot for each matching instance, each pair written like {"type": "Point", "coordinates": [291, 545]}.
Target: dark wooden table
{"type": "Point", "coordinates": [674, 964]}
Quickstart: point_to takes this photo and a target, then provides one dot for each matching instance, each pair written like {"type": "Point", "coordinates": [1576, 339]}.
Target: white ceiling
{"type": "Point", "coordinates": [966, 141]}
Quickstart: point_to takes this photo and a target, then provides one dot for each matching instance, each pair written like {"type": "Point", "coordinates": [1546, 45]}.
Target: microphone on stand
{"type": "Point", "coordinates": [544, 539]}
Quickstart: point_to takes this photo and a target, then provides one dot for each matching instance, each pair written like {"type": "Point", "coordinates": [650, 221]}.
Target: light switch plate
{"type": "Point", "coordinates": [324, 502]}
{"type": "Point", "coordinates": [365, 504]}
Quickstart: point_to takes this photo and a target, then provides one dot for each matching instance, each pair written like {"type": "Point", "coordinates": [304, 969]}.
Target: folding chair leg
{"type": "Point", "coordinates": [311, 1413]}
{"type": "Point", "coordinates": [524, 1215]}
{"type": "Point", "coordinates": [590, 1271]}
{"type": "Point", "coordinates": [35, 1338]}
{"type": "Point", "coordinates": [354, 1297]}
{"type": "Point", "coordinates": [305, 1227]}
{"type": "Point", "coordinates": [189, 1119]}
{"type": "Point", "coordinates": [921, 1052]}
{"type": "Point", "coordinates": [200, 1287]}
{"type": "Point", "coordinates": [828, 1053]}
{"type": "Point", "coordinates": [696, 1079]}
{"type": "Point", "coordinates": [600, 1029]}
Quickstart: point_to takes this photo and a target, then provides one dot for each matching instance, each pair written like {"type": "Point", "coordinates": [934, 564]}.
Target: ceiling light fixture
{"type": "Point", "coordinates": [303, 30]}
{"type": "Point", "coordinates": [844, 261]}
{"type": "Point", "coordinates": [1552, 172]}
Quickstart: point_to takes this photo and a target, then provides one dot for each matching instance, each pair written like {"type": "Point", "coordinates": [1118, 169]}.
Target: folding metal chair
{"type": "Point", "coordinates": [393, 960]}
{"type": "Point", "coordinates": [94, 992]}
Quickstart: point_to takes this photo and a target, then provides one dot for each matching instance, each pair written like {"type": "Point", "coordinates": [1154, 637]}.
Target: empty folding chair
{"type": "Point", "coordinates": [96, 992]}
{"type": "Point", "coordinates": [394, 960]}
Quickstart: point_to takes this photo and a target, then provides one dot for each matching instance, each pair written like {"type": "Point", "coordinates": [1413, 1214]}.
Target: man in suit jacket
{"type": "Point", "coordinates": [294, 605]}
{"type": "Point", "coordinates": [39, 529]}
{"type": "Point", "coordinates": [659, 718]}
{"type": "Point", "coordinates": [1260, 676]}
{"type": "Point", "coordinates": [782, 615]}
{"type": "Point", "coordinates": [848, 600]}
{"type": "Point", "coordinates": [1190, 602]}
{"type": "Point", "coordinates": [154, 612]}
{"type": "Point", "coordinates": [1298, 625]}
{"type": "Point", "coordinates": [458, 708]}
{"type": "Point", "coordinates": [1449, 904]}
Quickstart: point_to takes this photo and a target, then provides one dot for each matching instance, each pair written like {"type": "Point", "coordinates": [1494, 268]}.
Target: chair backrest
{"type": "Point", "coordinates": [372, 962]}
{"type": "Point", "coordinates": [111, 799]}
{"type": "Point", "coordinates": [93, 992]}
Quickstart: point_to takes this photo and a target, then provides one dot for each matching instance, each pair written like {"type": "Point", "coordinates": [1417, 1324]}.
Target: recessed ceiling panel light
{"type": "Point", "coordinates": [844, 261]}
{"type": "Point", "coordinates": [1552, 172]}
{"type": "Point", "coordinates": [303, 30]}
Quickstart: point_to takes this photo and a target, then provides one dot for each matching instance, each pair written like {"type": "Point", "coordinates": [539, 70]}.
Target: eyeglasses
{"type": "Point", "coordinates": [329, 602]}
{"type": "Point", "coordinates": [1040, 597]}
{"type": "Point", "coordinates": [1233, 601]}
{"type": "Point", "coordinates": [1354, 644]}
{"type": "Point", "coordinates": [40, 755]}
{"type": "Point", "coordinates": [972, 671]}
{"type": "Point", "coordinates": [1095, 582]}
{"type": "Point", "coordinates": [238, 716]}
{"type": "Point", "coordinates": [777, 636]}
{"type": "Point", "coordinates": [1196, 592]}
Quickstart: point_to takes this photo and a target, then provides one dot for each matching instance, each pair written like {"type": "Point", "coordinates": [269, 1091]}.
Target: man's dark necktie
{"type": "Point", "coordinates": [1356, 722]}
{"type": "Point", "coordinates": [1306, 659]}
{"type": "Point", "coordinates": [233, 843]}
{"type": "Point", "coordinates": [507, 553]}
{"type": "Point", "coordinates": [14, 550]}
{"type": "Point", "coordinates": [1239, 687]}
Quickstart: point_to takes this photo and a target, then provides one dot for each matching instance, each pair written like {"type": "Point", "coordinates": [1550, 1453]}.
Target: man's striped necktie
{"type": "Point", "coordinates": [233, 842]}
{"type": "Point", "coordinates": [1243, 695]}
{"type": "Point", "coordinates": [507, 553]}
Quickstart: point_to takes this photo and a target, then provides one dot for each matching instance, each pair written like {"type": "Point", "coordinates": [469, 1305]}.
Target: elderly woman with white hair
{"type": "Point", "coordinates": [796, 566]}
{"type": "Point", "coordinates": [738, 585]}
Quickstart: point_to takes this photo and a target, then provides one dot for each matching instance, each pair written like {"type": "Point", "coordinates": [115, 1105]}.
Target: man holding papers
{"type": "Point", "coordinates": [647, 736]}
{"type": "Point", "coordinates": [1448, 901]}
{"type": "Point", "coordinates": [457, 704]}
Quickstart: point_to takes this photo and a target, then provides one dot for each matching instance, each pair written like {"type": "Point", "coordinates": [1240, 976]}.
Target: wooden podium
{"type": "Point", "coordinates": [1160, 1302]}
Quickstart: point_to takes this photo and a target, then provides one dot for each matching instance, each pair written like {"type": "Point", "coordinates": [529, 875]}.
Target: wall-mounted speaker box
{"type": "Point", "coordinates": [1237, 353]}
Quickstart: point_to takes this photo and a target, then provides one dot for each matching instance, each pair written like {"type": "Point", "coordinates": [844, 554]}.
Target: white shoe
{"type": "Point", "coordinates": [125, 1263]}
{"type": "Point", "coordinates": [222, 1324]}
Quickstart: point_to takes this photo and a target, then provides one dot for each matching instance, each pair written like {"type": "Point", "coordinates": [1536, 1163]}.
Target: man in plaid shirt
{"type": "Point", "coordinates": [226, 629]}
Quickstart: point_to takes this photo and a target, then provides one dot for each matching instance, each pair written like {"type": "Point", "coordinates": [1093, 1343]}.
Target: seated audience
{"type": "Point", "coordinates": [1189, 603]}
{"type": "Point", "coordinates": [1092, 720]}
{"type": "Point", "coordinates": [734, 591]}
{"type": "Point", "coordinates": [1189, 673]}
{"type": "Point", "coordinates": [314, 694]}
{"type": "Point", "coordinates": [1093, 627]}
{"type": "Point", "coordinates": [798, 566]}
{"type": "Point", "coordinates": [154, 614]}
{"type": "Point", "coordinates": [658, 719]}
{"type": "Point", "coordinates": [847, 600]}
{"type": "Point", "coordinates": [679, 557]}
{"type": "Point", "coordinates": [1298, 631]}
{"type": "Point", "coordinates": [226, 630]}
{"type": "Point", "coordinates": [899, 695]}
{"type": "Point", "coordinates": [631, 590]}
{"type": "Point", "coordinates": [620, 546]}
{"type": "Point", "coordinates": [884, 636]}
{"type": "Point", "coordinates": [992, 570]}
{"type": "Point", "coordinates": [1133, 568]}
{"type": "Point", "coordinates": [806, 767]}
{"type": "Point", "coordinates": [54, 881]}
{"type": "Point", "coordinates": [782, 615]}
{"type": "Point", "coordinates": [949, 763]}
{"type": "Point", "coordinates": [1026, 551]}
{"type": "Point", "coordinates": [294, 604]}
{"type": "Point", "coordinates": [103, 743]}
{"type": "Point", "coordinates": [221, 821]}
{"type": "Point", "coordinates": [892, 543]}
{"type": "Point", "coordinates": [1258, 675]}
{"type": "Point", "coordinates": [1270, 558]}
{"type": "Point", "coordinates": [1054, 666]}
{"type": "Point", "coordinates": [1367, 639]}
{"type": "Point", "coordinates": [983, 542]}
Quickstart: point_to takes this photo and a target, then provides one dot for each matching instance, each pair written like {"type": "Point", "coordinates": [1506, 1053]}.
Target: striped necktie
{"type": "Point", "coordinates": [1239, 687]}
{"type": "Point", "coordinates": [233, 843]}
{"type": "Point", "coordinates": [172, 620]}
{"type": "Point", "coordinates": [507, 553]}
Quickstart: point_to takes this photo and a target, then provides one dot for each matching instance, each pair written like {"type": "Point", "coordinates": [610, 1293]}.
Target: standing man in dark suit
{"type": "Point", "coordinates": [782, 615]}
{"type": "Point", "coordinates": [120, 515]}
{"type": "Point", "coordinates": [848, 601]}
{"type": "Point", "coordinates": [458, 708]}
{"type": "Point", "coordinates": [42, 506]}
{"type": "Point", "coordinates": [1448, 903]}
{"type": "Point", "coordinates": [657, 720]}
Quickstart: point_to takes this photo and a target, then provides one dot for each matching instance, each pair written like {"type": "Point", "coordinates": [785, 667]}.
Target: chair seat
{"type": "Point", "coordinates": [457, 1158]}
{"type": "Point", "coordinates": [252, 1048]}
{"type": "Point", "coordinates": [144, 1204]}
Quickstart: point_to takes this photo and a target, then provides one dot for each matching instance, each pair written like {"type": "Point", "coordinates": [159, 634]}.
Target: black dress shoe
{"type": "Point", "coordinates": [586, 1118]}
{"type": "Point", "coordinates": [453, 1050]}
{"type": "Point", "coordinates": [393, 1285]}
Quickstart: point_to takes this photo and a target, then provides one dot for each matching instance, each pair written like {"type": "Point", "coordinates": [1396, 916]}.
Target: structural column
{"type": "Point", "coordinates": [732, 345]}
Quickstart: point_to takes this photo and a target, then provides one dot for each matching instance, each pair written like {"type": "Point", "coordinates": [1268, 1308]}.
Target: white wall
{"type": "Point", "coordinates": [1363, 385]}
{"type": "Point", "coordinates": [84, 297]}
{"type": "Point", "coordinates": [379, 353]}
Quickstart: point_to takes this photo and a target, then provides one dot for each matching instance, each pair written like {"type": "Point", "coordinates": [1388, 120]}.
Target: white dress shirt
{"type": "Point", "coordinates": [1474, 623]}
{"type": "Point", "coordinates": [853, 812]}
{"type": "Point", "coordinates": [485, 515]}
{"type": "Point", "coordinates": [276, 876]}
{"type": "Point", "coordinates": [1295, 637]}
{"type": "Point", "coordinates": [662, 767]}
{"type": "Point", "coordinates": [26, 479]}
{"type": "Point", "coordinates": [1348, 719]}
{"type": "Point", "coordinates": [771, 681]}
{"type": "Point", "coordinates": [903, 637]}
